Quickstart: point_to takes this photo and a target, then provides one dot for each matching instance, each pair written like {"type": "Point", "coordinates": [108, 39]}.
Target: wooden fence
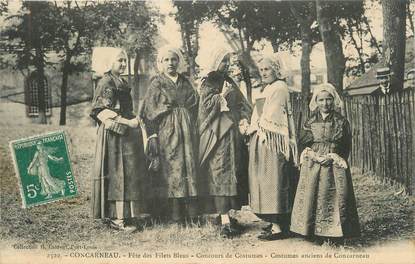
{"type": "Point", "coordinates": [383, 140]}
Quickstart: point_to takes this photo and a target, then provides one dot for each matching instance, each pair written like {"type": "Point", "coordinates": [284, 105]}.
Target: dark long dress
{"type": "Point", "coordinates": [119, 159]}
{"type": "Point", "coordinates": [325, 204]}
{"type": "Point", "coordinates": [170, 110]}
{"type": "Point", "coordinates": [220, 144]}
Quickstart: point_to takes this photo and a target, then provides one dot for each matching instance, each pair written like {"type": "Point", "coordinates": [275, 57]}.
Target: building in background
{"type": "Point", "coordinates": [369, 84]}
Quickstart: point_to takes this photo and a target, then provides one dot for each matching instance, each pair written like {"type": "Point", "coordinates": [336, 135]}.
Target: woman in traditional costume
{"type": "Point", "coordinates": [119, 173]}
{"type": "Point", "coordinates": [169, 111]}
{"type": "Point", "coordinates": [239, 73]}
{"type": "Point", "coordinates": [272, 151]}
{"type": "Point", "coordinates": [325, 204]}
{"type": "Point", "coordinates": [222, 107]}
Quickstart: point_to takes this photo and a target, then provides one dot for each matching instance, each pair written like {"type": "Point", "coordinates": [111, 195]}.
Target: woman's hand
{"type": "Point", "coordinates": [133, 123]}
{"type": "Point", "coordinates": [107, 122]}
{"type": "Point", "coordinates": [243, 126]}
{"type": "Point", "coordinates": [223, 104]}
{"type": "Point", "coordinates": [261, 135]}
{"type": "Point", "coordinates": [227, 88]}
{"type": "Point", "coordinates": [326, 161]}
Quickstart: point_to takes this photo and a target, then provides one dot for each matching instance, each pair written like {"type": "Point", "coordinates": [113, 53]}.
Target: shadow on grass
{"type": "Point", "coordinates": [386, 229]}
{"type": "Point", "coordinates": [385, 213]}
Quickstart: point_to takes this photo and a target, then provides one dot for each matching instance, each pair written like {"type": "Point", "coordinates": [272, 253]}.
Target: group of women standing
{"type": "Point", "coordinates": [189, 162]}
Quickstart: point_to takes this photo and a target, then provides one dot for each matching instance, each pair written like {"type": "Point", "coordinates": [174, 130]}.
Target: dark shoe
{"type": "Point", "coordinates": [236, 225]}
{"type": "Point", "coordinates": [138, 224]}
{"type": "Point", "coordinates": [121, 226]}
{"type": "Point", "coordinates": [269, 236]}
{"type": "Point", "coordinates": [267, 228]}
{"type": "Point", "coordinates": [115, 225]}
{"type": "Point", "coordinates": [229, 231]}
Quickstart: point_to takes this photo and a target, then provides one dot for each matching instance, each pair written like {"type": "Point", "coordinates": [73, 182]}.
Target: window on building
{"type": "Point", "coordinates": [32, 96]}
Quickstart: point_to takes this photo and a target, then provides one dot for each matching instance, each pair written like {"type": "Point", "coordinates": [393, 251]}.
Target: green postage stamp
{"type": "Point", "coordinates": [43, 169]}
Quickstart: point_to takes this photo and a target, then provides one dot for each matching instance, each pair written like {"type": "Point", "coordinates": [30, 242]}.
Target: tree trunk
{"type": "Point", "coordinates": [186, 34]}
{"type": "Point", "coordinates": [410, 17]}
{"type": "Point", "coordinates": [64, 90]}
{"type": "Point", "coordinates": [129, 70]}
{"type": "Point", "coordinates": [136, 86]}
{"type": "Point", "coordinates": [40, 66]}
{"type": "Point", "coordinates": [41, 87]}
{"type": "Point", "coordinates": [189, 49]}
{"type": "Point", "coordinates": [305, 19]}
{"type": "Point", "coordinates": [246, 57]}
{"type": "Point", "coordinates": [306, 45]}
{"type": "Point", "coordinates": [136, 67]}
{"type": "Point", "coordinates": [183, 36]}
{"type": "Point", "coordinates": [394, 29]}
{"type": "Point", "coordinates": [241, 39]}
{"type": "Point", "coordinates": [196, 42]}
{"type": "Point", "coordinates": [330, 35]}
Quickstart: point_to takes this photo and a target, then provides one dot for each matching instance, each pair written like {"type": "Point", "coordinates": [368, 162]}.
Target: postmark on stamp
{"type": "Point", "coordinates": [43, 168]}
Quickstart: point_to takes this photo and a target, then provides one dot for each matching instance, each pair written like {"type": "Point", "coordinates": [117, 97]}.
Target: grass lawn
{"type": "Point", "coordinates": [386, 216]}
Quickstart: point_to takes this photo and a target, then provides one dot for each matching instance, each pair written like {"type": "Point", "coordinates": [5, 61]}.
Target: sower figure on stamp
{"type": "Point", "coordinates": [169, 111]}
{"type": "Point", "coordinates": [39, 166]}
{"type": "Point", "coordinates": [324, 204]}
{"type": "Point", "coordinates": [222, 107]}
{"type": "Point", "coordinates": [272, 151]}
{"type": "Point", "coordinates": [119, 174]}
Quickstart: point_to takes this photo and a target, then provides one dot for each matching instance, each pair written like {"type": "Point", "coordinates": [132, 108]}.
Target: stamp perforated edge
{"type": "Point", "coordinates": [17, 173]}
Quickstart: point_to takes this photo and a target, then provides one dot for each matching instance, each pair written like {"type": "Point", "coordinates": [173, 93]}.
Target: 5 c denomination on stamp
{"type": "Point", "coordinates": [43, 168]}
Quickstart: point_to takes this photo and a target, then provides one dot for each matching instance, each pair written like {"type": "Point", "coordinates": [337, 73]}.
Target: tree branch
{"type": "Point", "coordinates": [372, 38]}
{"type": "Point", "coordinates": [355, 44]}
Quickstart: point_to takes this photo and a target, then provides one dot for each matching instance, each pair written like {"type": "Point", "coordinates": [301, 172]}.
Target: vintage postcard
{"type": "Point", "coordinates": [43, 168]}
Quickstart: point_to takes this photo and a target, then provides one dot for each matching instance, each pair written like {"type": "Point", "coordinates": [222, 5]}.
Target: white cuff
{"type": "Point", "coordinates": [152, 136]}
{"type": "Point", "coordinates": [337, 160]}
{"type": "Point", "coordinates": [309, 153]}
{"type": "Point", "coordinates": [106, 114]}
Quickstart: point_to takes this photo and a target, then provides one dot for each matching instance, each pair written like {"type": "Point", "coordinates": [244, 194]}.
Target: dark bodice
{"type": "Point", "coordinates": [125, 106]}
{"type": "Point", "coordinates": [114, 94]}
{"type": "Point", "coordinates": [165, 97]}
{"type": "Point", "coordinates": [329, 135]}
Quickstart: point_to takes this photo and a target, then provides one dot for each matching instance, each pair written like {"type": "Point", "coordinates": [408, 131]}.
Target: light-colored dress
{"type": "Point", "coordinates": [272, 151]}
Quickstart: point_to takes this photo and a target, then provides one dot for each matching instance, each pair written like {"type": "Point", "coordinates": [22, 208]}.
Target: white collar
{"type": "Point", "coordinates": [173, 78]}
{"type": "Point", "coordinates": [324, 115]}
